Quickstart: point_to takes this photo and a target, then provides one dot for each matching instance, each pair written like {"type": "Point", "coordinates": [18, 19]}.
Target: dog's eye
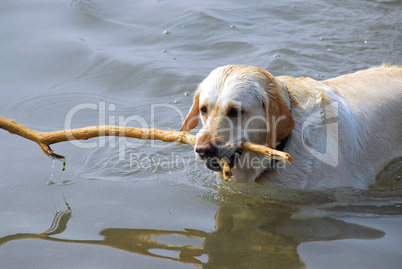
{"type": "Point", "coordinates": [204, 110]}
{"type": "Point", "coordinates": [234, 113]}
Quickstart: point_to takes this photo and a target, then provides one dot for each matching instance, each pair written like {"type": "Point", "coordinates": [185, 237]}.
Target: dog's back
{"type": "Point", "coordinates": [368, 130]}
{"type": "Point", "coordinates": [375, 95]}
{"type": "Point", "coordinates": [366, 88]}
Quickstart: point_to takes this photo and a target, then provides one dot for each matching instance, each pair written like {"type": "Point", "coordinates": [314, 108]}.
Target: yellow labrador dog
{"type": "Point", "coordinates": [340, 132]}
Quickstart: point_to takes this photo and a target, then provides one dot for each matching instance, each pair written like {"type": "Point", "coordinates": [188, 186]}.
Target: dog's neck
{"type": "Point", "coordinates": [281, 143]}
{"type": "Point", "coordinates": [279, 146]}
{"type": "Point", "coordinates": [290, 98]}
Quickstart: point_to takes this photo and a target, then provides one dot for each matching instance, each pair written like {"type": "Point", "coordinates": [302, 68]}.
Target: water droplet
{"type": "Point", "coordinates": [164, 51]}
{"type": "Point", "coordinates": [177, 102]}
{"type": "Point", "coordinates": [276, 56]}
{"type": "Point", "coordinates": [365, 41]}
{"type": "Point", "coordinates": [232, 26]}
{"type": "Point", "coordinates": [67, 182]}
{"type": "Point", "coordinates": [51, 175]}
{"type": "Point", "coordinates": [112, 107]}
{"type": "Point", "coordinates": [186, 94]}
{"type": "Point", "coordinates": [167, 32]}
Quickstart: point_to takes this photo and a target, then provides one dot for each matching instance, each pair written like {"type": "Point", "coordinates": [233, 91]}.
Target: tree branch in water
{"type": "Point", "coordinates": [45, 139]}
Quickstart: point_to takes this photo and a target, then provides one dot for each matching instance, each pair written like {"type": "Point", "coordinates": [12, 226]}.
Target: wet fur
{"type": "Point", "coordinates": [345, 150]}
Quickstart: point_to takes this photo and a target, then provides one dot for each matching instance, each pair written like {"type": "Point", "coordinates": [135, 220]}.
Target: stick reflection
{"type": "Point", "coordinates": [244, 238]}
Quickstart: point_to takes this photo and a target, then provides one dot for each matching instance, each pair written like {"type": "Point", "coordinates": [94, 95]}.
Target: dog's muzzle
{"type": "Point", "coordinates": [211, 155]}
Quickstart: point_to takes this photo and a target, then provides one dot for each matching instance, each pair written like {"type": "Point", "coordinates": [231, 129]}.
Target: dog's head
{"type": "Point", "coordinates": [239, 103]}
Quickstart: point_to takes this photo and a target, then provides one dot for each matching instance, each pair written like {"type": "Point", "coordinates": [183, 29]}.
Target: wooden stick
{"type": "Point", "coordinates": [267, 151]}
{"type": "Point", "coordinates": [223, 163]}
{"type": "Point", "coordinates": [45, 139]}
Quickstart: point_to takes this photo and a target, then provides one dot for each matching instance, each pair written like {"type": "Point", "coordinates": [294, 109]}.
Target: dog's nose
{"type": "Point", "coordinates": [206, 149]}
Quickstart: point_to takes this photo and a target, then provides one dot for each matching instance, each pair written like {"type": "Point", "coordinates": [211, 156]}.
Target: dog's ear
{"type": "Point", "coordinates": [192, 118]}
{"type": "Point", "coordinates": [277, 110]}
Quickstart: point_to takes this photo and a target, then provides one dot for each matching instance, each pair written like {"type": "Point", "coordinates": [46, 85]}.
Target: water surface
{"type": "Point", "coordinates": [126, 204]}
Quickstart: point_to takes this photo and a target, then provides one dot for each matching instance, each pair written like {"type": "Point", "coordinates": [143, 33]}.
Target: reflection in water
{"type": "Point", "coordinates": [244, 238]}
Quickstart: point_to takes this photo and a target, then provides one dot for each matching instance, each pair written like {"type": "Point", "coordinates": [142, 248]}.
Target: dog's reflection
{"type": "Point", "coordinates": [270, 236]}
{"type": "Point", "coordinates": [244, 238]}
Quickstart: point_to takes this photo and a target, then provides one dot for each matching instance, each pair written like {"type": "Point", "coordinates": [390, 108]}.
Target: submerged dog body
{"type": "Point", "coordinates": [340, 132]}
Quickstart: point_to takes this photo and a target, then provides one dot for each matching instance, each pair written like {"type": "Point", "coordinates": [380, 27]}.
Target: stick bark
{"type": "Point", "coordinates": [45, 139]}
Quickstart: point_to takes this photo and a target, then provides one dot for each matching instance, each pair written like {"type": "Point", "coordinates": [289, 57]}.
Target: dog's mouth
{"type": "Point", "coordinates": [212, 163]}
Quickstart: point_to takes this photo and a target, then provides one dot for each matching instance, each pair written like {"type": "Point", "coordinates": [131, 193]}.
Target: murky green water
{"type": "Point", "coordinates": [125, 204]}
